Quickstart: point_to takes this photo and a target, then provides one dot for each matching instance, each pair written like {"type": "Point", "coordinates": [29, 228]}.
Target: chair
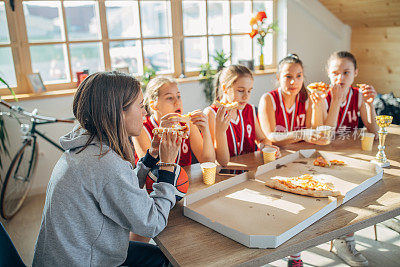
{"type": "Point", "coordinates": [8, 253]}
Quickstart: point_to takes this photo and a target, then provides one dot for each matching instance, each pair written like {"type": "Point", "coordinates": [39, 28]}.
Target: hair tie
{"type": "Point", "coordinates": [295, 56]}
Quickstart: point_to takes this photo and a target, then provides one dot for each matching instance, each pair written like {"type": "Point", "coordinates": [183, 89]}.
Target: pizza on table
{"type": "Point", "coordinates": [306, 184]}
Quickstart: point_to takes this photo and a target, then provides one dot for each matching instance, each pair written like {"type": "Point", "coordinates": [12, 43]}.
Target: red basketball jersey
{"type": "Point", "coordinates": [241, 133]}
{"type": "Point", "coordinates": [348, 113]}
{"type": "Point", "coordinates": [288, 120]}
{"type": "Point", "coordinates": [184, 157]}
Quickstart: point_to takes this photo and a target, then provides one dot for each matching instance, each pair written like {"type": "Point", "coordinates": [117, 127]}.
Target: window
{"type": "Point", "coordinates": [215, 25]}
{"type": "Point", "coordinates": [7, 61]}
{"type": "Point", "coordinates": [59, 38]}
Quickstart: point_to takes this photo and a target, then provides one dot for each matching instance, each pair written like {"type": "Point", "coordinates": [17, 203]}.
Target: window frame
{"type": "Point", "coordinates": [20, 45]}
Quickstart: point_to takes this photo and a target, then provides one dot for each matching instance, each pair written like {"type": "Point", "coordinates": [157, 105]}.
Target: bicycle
{"type": "Point", "coordinates": [19, 175]}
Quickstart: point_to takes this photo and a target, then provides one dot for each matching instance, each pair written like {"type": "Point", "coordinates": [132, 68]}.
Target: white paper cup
{"type": "Point", "coordinates": [269, 154]}
{"type": "Point", "coordinates": [367, 141]}
{"type": "Point", "coordinates": [209, 170]}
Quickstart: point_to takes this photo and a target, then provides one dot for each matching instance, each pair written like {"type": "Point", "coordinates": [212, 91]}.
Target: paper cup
{"type": "Point", "coordinates": [367, 141]}
{"type": "Point", "coordinates": [269, 154]}
{"type": "Point", "coordinates": [209, 170]}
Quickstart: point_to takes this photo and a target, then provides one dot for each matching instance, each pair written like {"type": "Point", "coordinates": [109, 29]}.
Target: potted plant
{"type": "Point", "coordinates": [149, 72]}
{"type": "Point", "coordinates": [221, 58]}
{"type": "Point", "coordinates": [260, 29]}
{"type": "Point", "coordinates": [208, 81]}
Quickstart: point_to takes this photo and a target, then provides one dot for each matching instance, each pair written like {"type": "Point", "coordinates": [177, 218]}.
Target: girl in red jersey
{"type": "Point", "coordinates": [163, 100]}
{"type": "Point", "coordinates": [344, 102]}
{"type": "Point", "coordinates": [287, 109]}
{"type": "Point", "coordinates": [163, 103]}
{"type": "Point", "coordinates": [236, 131]}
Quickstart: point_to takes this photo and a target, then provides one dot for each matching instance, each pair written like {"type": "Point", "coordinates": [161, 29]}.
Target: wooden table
{"type": "Point", "coordinates": [188, 243]}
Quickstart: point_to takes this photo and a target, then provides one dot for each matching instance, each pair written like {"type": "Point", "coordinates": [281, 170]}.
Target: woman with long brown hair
{"type": "Point", "coordinates": [95, 196]}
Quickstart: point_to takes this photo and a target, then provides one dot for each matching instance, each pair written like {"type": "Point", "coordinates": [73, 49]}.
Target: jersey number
{"type": "Point", "coordinates": [300, 120]}
{"type": "Point", "coordinates": [185, 147]}
{"type": "Point", "coordinates": [352, 115]}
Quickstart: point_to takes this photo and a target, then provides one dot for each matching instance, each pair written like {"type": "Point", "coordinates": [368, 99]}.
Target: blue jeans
{"type": "Point", "coordinates": [144, 254]}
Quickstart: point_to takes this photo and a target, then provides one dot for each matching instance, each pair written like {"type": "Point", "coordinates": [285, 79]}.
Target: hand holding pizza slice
{"type": "Point", "coordinates": [228, 106]}
{"type": "Point", "coordinates": [180, 130]}
{"type": "Point", "coordinates": [186, 118]}
{"type": "Point", "coordinates": [318, 87]}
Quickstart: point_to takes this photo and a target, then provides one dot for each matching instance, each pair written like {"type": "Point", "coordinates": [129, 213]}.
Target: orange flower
{"type": "Point", "coordinates": [253, 21]}
{"type": "Point", "coordinates": [261, 15]}
{"type": "Point", "coordinates": [253, 33]}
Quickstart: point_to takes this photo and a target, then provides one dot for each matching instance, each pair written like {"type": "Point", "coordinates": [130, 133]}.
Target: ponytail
{"type": "Point", "coordinates": [216, 84]}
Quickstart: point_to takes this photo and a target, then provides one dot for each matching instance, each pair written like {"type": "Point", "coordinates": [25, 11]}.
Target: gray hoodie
{"type": "Point", "coordinates": [92, 203]}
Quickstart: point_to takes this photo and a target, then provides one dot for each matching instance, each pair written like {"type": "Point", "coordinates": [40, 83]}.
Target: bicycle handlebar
{"type": "Point", "coordinates": [22, 112]}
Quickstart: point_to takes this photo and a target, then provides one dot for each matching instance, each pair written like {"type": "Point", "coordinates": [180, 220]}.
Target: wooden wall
{"type": "Point", "coordinates": [377, 50]}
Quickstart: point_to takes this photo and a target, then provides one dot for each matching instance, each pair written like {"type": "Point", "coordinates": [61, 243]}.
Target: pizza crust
{"type": "Point", "coordinates": [181, 130]}
{"type": "Point", "coordinates": [275, 184]}
{"type": "Point", "coordinates": [319, 87]}
{"type": "Point", "coordinates": [228, 106]}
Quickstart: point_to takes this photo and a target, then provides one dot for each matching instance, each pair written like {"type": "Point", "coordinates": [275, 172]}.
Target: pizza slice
{"type": "Point", "coordinates": [359, 85]}
{"type": "Point", "coordinates": [320, 161]}
{"type": "Point", "coordinates": [306, 185]}
{"type": "Point", "coordinates": [319, 87]}
{"type": "Point", "coordinates": [337, 162]}
{"type": "Point", "coordinates": [186, 117]}
{"type": "Point", "coordinates": [228, 106]}
{"type": "Point", "coordinates": [181, 130]}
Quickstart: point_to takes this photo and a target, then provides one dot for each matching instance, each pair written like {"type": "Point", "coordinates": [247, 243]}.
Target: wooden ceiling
{"type": "Point", "coordinates": [365, 13]}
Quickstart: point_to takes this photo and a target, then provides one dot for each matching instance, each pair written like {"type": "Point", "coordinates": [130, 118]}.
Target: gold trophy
{"type": "Point", "coordinates": [383, 121]}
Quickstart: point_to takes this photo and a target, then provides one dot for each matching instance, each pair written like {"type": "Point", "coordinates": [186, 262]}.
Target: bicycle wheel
{"type": "Point", "coordinates": [18, 179]}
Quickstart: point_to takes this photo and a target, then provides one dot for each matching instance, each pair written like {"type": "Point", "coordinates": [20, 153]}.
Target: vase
{"type": "Point", "coordinates": [262, 61]}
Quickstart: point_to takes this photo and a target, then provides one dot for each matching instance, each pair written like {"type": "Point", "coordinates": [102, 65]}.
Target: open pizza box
{"type": "Point", "coordinates": [245, 210]}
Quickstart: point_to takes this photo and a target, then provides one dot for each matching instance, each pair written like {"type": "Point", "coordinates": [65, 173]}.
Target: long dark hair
{"type": "Point", "coordinates": [294, 59]}
{"type": "Point", "coordinates": [98, 105]}
{"type": "Point", "coordinates": [340, 55]}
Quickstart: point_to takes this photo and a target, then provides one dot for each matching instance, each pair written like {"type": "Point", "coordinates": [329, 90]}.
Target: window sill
{"type": "Point", "coordinates": [69, 92]}
{"type": "Point", "coordinates": [48, 94]}
{"type": "Point", "coordinates": [197, 78]}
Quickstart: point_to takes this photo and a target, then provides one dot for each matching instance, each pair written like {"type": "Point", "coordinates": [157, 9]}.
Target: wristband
{"type": "Point", "coordinates": [163, 164]}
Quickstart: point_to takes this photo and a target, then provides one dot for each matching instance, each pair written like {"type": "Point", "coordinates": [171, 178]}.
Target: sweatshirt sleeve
{"type": "Point", "coordinates": [126, 204]}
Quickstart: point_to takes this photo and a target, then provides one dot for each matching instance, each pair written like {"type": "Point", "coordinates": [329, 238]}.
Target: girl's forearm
{"type": "Point", "coordinates": [317, 117]}
{"type": "Point", "coordinates": [282, 139]}
{"type": "Point", "coordinates": [333, 113]}
{"type": "Point", "coordinates": [222, 149]}
{"type": "Point", "coordinates": [208, 153]}
{"type": "Point", "coordinates": [370, 123]}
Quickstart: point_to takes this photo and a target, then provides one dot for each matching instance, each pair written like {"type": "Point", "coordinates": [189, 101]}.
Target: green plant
{"type": "Point", "coordinates": [221, 58]}
{"type": "Point", "coordinates": [149, 72]}
{"type": "Point", "coordinates": [4, 141]}
{"type": "Point", "coordinates": [208, 81]}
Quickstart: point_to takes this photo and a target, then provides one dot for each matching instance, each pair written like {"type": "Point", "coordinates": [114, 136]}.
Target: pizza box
{"type": "Point", "coordinates": [245, 210]}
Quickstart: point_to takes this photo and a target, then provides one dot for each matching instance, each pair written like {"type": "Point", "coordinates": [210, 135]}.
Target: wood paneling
{"type": "Point", "coordinates": [365, 13]}
{"type": "Point", "coordinates": [378, 56]}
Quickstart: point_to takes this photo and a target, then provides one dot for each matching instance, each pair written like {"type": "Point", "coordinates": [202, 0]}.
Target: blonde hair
{"type": "Point", "coordinates": [228, 76]}
{"type": "Point", "coordinates": [153, 89]}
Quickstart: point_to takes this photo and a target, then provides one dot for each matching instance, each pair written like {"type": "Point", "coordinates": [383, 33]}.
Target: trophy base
{"type": "Point", "coordinates": [381, 164]}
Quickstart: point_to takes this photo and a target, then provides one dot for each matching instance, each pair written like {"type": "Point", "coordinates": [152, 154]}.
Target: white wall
{"type": "Point", "coordinates": [313, 33]}
{"type": "Point", "coordinates": [307, 29]}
